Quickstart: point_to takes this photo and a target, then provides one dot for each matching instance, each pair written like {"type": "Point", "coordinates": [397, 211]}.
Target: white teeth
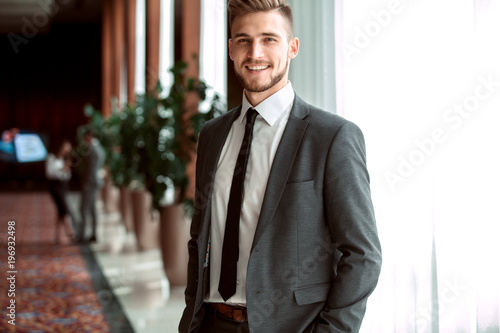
{"type": "Point", "coordinates": [257, 68]}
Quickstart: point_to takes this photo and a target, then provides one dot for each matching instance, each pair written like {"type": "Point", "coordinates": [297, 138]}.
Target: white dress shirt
{"type": "Point", "coordinates": [55, 168]}
{"type": "Point", "coordinates": [267, 133]}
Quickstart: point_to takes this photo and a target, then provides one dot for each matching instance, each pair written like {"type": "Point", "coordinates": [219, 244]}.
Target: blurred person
{"type": "Point", "coordinates": [283, 238]}
{"type": "Point", "coordinates": [58, 172]}
{"type": "Point", "coordinates": [91, 181]}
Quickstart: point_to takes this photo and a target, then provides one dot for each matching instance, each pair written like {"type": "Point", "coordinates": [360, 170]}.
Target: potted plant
{"type": "Point", "coordinates": [176, 123]}
{"type": "Point", "coordinates": [130, 170]}
{"type": "Point", "coordinates": [122, 137]}
{"type": "Point", "coordinates": [149, 147]}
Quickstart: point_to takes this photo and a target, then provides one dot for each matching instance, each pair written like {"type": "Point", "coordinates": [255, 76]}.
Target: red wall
{"type": "Point", "coordinates": [45, 85]}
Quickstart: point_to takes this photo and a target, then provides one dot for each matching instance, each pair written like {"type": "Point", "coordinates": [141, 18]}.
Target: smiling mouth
{"type": "Point", "coordinates": [257, 68]}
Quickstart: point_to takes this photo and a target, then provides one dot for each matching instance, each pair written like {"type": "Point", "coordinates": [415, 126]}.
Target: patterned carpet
{"type": "Point", "coordinates": [58, 288]}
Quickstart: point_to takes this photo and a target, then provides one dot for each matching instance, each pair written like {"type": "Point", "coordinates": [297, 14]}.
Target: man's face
{"type": "Point", "coordinates": [261, 51]}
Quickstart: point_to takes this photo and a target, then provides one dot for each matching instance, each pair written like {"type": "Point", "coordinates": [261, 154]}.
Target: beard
{"type": "Point", "coordinates": [261, 87]}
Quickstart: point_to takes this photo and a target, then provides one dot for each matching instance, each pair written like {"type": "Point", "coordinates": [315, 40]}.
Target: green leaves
{"type": "Point", "coordinates": [149, 144]}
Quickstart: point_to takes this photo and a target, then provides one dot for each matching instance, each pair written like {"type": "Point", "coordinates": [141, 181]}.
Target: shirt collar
{"type": "Point", "coordinates": [272, 107]}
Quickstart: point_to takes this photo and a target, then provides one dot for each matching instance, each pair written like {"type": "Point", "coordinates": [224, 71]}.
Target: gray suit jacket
{"type": "Point", "coordinates": [316, 255]}
{"type": "Point", "coordinates": [92, 162]}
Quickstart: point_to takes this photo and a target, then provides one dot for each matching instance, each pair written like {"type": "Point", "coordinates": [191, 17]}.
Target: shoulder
{"type": "Point", "coordinates": [320, 117]}
{"type": "Point", "coordinates": [216, 123]}
{"type": "Point", "coordinates": [321, 121]}
{"type": "Point", "coordinates": [52, 158]}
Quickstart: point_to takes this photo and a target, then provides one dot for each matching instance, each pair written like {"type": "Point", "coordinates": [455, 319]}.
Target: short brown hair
{"type": "Point", "coordinates": [242, 7]}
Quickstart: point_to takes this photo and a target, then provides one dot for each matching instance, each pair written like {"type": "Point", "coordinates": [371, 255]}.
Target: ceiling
{"type": "Point", "coordinates": [31, 17]}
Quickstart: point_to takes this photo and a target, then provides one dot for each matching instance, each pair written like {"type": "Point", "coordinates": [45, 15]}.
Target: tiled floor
{"type": "Point", "coordinates": [136, 278]}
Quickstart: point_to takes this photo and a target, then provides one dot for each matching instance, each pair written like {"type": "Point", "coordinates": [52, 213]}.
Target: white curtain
{"type": "Point", "coordinates": [312, 72]}
{"type": "Point", "coordinates": [422, 80]}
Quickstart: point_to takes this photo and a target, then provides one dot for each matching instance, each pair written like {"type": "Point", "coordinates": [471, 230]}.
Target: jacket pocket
{"type": "Point", "coordinates": [312, 294]}
{"type": "Point", "coordinates": [299, 187]}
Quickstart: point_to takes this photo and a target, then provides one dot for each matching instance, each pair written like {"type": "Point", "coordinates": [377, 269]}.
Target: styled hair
{"type": "Point", "coordinates": [242, 7]}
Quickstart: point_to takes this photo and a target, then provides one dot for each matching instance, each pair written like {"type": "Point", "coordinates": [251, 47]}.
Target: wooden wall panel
{"type": "Point", "coordinates": [191, 16]}
{"type": "Point", "coordinates": [46, 85]}
{"type": "Point", "coordinates": [153, 11]}
{"type": "Point", "coordinates": [190, 52]}
{"type": "Point", "coordinates": [118, 61]}
{"type": "Point", "coordinates": [131, 47]}
{"type": "Point", "coordinates": [106, 57]}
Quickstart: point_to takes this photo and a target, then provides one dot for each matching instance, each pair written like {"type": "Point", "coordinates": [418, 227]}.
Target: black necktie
{"type": "Point", "coordinates": [230, 248]}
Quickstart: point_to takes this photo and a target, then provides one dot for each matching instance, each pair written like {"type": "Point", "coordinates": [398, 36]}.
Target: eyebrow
{"type": "Point", "coordinates": [264, 34]}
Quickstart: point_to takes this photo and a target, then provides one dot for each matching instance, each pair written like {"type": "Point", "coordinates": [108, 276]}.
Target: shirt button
{"type": "Point", "coordinates": [238, 282]}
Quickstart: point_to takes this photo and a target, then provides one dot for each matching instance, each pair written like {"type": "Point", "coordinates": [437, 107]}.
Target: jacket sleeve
{"type": "Point", "coordinates": [351, 220]}
{"type": "Point", "coordinates": [192, 280]}
{"type": "Point", "coordinates": [89, 161]}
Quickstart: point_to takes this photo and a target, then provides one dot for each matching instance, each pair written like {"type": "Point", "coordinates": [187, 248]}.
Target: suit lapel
{"type": "Point", "coordinates": [214, 145]}
{"type": "Point", "coordinates": [282, 164]}
{"type": "Point", "coordinates": [217, 143]}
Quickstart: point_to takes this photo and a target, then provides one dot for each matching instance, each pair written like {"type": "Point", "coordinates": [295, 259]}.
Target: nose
{"type": "Point", "coordinates": [255, 50]}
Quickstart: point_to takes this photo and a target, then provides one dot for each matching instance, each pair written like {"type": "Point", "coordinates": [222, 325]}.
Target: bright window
{"type": "Point", "coordinates": [166, 45]}
{"type": "Point", "coordinates": [213, 57]}
{"type": "Point", "coordinates": [140, 49]}
{"type": "Point", "coordinates": [422, 80]}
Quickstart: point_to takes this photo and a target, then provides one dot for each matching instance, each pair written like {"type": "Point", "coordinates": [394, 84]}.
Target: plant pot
{"type": "Point", "coordinates": [126, 209]}
{"type": "Point", "coordinates": [174, 236]}
{"type": "Point", "coordinates": [146, 221]}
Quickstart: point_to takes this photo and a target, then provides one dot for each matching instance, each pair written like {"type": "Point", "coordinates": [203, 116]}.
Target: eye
{"type": "Point", "coordinates": [270, 39]}
{"type": "Point", "coordinates": [242, 40]}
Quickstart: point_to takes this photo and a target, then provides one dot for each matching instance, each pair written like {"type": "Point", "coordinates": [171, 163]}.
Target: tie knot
{"type": "Point", "coordinates": [251, 115]}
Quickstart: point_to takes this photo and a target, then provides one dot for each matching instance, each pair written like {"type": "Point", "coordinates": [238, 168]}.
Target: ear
{"type": "Point", "coordinates": [293, 48]}
{"type": "Point", "coordinates": [230, 48]}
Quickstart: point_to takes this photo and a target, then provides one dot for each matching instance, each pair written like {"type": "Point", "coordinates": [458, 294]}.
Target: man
{"type": "Point", "coordinates": [308, 254]}
{"type": "Point", "coordinates": [91, 182]}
